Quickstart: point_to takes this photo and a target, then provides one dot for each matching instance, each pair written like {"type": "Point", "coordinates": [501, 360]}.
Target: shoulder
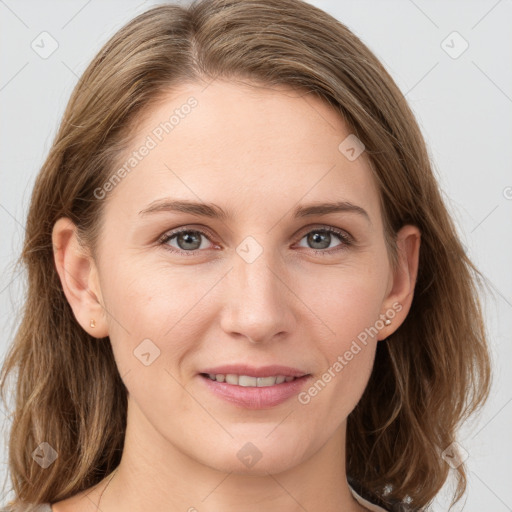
{"type": "Point", "coordinates": [372, 507]}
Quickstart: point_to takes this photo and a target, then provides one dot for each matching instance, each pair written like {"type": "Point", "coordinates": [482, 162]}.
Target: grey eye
{"type": "Point", "coordinates": [188, 240]}
{"type": "Point", "coordinates": [320, 239]}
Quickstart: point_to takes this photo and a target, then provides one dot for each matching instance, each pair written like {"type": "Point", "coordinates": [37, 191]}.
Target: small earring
{"type": "Point", "coordinates": [93, 323]}
{"type": "Point", "coordinates": [387, 321]}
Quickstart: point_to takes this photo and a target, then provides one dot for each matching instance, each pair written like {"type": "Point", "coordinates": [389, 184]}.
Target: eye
{"type": "Point", "coordinates": [321, 239]}
{"type": "Point", "coordinates": [188, 241]}
{"type": "Point", "coordinates": [185, 240]}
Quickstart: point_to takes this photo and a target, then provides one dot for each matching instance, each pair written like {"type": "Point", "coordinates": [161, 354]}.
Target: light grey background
{"type": "Point", "coordinates": [463, 105]}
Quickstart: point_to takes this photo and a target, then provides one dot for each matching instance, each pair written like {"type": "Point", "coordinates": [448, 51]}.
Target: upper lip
{"type": "Point", "coordinates": [253, 371]}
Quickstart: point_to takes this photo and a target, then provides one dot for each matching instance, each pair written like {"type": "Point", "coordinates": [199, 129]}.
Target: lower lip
{"type": "Point", "coordinates": [254, 397]}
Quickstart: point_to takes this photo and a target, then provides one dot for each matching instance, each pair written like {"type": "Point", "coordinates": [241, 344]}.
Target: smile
{"type": "Point", "coordinates": [264, 391]}
{"type": "Point", "coordinates": [249, 381]}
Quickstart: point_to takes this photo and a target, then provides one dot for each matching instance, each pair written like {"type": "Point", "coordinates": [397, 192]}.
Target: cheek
{"type": "Point", "coordinates": [149, 300]}
{"type": "Point", "coordinates": [348, 358]}
{"type": "Point", "coordinates": [349, 308]}
{"type": "Point", "coordinates": [347, 300]}
{"type": "Point", "coordinates": [157, 311]}
{"type": "Point", "coordinates": [334, 394]}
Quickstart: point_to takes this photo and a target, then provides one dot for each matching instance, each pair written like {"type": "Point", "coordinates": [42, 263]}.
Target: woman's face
{"type": "Point", "coordinates": [260, 276]}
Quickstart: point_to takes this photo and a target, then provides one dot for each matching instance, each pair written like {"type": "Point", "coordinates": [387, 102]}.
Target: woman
{"type": "Point", "coordinates": [245, 290]}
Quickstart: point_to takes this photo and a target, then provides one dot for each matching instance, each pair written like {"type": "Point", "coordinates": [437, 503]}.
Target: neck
{"type": "Point", "coordinates": [156, 475]}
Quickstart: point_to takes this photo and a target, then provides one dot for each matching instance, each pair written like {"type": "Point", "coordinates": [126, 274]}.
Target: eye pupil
{"type": "Point", "coordinates": [186, 238]}
{"type": "Point", "coordinates": [315, 237]}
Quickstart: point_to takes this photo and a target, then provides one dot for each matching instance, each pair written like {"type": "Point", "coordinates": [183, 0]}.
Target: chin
{"type": "Point", "coordinates": [257, 458]}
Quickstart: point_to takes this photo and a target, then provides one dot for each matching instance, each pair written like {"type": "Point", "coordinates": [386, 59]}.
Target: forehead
{"type": "Point", "coordinates": [245, 145]}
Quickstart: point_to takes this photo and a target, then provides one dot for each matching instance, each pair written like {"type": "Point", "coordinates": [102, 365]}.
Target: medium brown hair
{"type": "Point", "coordinates": [428, 377]}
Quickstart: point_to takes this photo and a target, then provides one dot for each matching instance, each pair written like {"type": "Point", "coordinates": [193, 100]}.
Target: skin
{"type": "Point", "coordinates": [261, 153]}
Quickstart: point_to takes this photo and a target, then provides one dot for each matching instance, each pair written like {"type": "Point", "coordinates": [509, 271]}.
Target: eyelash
{"type": "Point", "coordinates": [345, 239]}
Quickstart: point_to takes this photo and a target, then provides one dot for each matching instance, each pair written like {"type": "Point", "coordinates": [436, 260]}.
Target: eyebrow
{"type": "Point", "coordinates": [214, 211]}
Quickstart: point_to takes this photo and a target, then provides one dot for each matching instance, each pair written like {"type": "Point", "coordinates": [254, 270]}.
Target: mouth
{"type": "Point", "coordinates": [254, 388]}
{"type": "Point", "coordinates": [248, 380]}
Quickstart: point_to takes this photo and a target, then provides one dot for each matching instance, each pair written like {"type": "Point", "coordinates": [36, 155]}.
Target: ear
{"type": "Point", "coordinates": [402, 281]}
{"type": "Point", "coordinates": [79, 277]}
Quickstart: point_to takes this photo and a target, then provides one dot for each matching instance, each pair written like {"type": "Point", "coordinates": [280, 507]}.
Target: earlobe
{"type": "Point", "coordinates": [79, 279]}
{"type": "Point", "coordinates": [399, 299]}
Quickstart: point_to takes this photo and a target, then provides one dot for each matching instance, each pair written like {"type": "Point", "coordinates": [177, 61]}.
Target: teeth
{"type": "Point", "coordinates": [248, 381]}
{"type": "Point", "coordinates": [265, 381]}
{"type": "Point", "coordinates": [231, 379]}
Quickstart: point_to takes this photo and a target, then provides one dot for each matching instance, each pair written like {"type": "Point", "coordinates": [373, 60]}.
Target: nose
{"type": "Point", "coordinates": [260, 305]}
